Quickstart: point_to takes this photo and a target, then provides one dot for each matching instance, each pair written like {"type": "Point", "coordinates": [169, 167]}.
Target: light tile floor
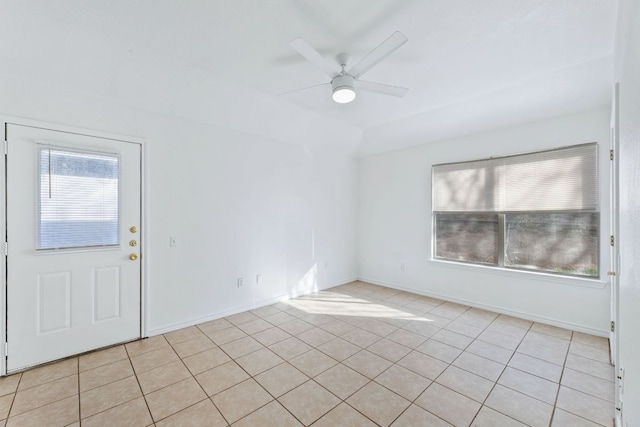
{"type": "Point", "coordinates": [354, 355]}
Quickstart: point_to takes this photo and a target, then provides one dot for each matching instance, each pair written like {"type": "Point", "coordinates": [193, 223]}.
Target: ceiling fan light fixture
{"type": "Point", "coordinates": [343, 91]}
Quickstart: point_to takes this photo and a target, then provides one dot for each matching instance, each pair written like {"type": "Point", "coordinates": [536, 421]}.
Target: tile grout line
{"type": "Point", "coordinates": [251, 377]}
{"type": "Point", "coordinates": [412, 402]}
{"type": "Point", "coordinates": [560, 385]}
{"type": "Point", "coordinates": [79, 407]}
{"type": "Point", "coordinates": [14, 398]}
{"type": "Point", "coordinates": [320, 373]}
{"type": "Point", "coordinates": [276, 399]}
{"type": "Point", "coordinates": [98, 367]}
{"type": "Point", "coordinates": [564, 363]}
{"type": "Point", "coordinates": [192, 376]}
{"type": "Point", "coordinates": [482, 404]}
{"type": "Point", "coordinates": [184, 379]}
{"type": "Point", "coordinates": [139, 386]}
{"type": "Point", "coordinates": [128, 358]}
{"type": "Point", "coordinates": [495, 383]}
{"type": "Point", "coordinates": [42, 405]}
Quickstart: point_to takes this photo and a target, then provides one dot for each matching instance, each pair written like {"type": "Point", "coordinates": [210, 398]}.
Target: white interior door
{"type": "Point", "coordinates": [73, 258]}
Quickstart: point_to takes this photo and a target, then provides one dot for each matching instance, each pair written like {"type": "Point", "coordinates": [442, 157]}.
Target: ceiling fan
{"type": "Point", "coordinates": [345, 81]}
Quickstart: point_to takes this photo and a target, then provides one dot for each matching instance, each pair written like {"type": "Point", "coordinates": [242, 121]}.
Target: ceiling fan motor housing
{"type": "Point", "coordinates": [343, 88]}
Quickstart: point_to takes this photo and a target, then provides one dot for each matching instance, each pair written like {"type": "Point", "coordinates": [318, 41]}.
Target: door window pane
{"type": "Point", "coordinates": [467, 237]}
{"type": "Point", "coordinates": [78, 199]}
{"type": "Point", "coordinates": [564, 243]}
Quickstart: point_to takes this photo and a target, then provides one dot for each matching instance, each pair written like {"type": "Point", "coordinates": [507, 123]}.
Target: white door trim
{"type": "Point", "coordinates": [5, 119]}
{"type": "Point", "coordinates": [614, 250]}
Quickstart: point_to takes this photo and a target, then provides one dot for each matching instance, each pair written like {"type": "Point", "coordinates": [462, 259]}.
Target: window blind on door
{"type": "Point", "coordinates": [78, 199]}
{"type": "Point", "coordinates": [556, 180]}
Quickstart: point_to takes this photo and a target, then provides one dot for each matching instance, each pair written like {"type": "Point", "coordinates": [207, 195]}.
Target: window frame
{"type": "Point", "coordinates": [502, 235]}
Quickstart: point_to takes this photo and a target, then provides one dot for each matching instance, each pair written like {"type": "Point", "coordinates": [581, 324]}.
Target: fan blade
{"type": "Point", "coordinates": [304, 88]}
{"type": "Point", "coordinates": [313, 56]}
{"type": "Point", "coordinates": [385, 48]}
{"type": "Point", "coordinates": [382, 88]}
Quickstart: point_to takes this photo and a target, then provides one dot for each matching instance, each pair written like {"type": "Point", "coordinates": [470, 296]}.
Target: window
{"type": "Point", "coordinates": [536, 211]}
{"type": "Point", "coordinates": [78, 199]}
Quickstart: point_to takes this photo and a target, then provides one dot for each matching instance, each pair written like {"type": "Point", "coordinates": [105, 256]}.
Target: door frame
{"type": "Point", "coordinates": [143, 219]}
{"type": "Point", "coordinates": [614, 200]}
{"type": "Point", "coordinates": [613, 227]}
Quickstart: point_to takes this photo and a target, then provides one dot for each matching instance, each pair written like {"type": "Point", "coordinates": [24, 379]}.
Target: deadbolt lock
{"type": "Point", "coordinates": [133, 229]}
{"type": "Point", "coordinates": [133, 257]}
{"type": "Point", "coordinates": [133, 243]}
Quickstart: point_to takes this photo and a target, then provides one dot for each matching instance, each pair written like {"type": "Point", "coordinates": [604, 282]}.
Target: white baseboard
{"type": "Point", "coordinates": [339, 283]}
{"type": "Point", "coordinates": [523, 315]}
{"type": "Point", "coordinates": [214, 316]}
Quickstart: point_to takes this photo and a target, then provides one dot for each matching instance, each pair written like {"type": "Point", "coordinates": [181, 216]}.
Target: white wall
{"type": "Point", "coordinates": [627, 72]}
{"type": "Point", "coordinates": [242, 205]}
{"type": "Point", "coordinates": [245, 189]}
{"type": "Point", "coordinates": [394, 222]}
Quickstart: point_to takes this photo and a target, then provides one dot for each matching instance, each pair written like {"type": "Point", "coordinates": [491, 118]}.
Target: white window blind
{"type": "Point", "coordinates": [556, 180]}
{"type": "Point", "coordinates": [78, 199]}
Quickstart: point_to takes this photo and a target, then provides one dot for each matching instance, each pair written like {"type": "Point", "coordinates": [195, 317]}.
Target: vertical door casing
{"type": "Point", "coordinates": [614, 253]}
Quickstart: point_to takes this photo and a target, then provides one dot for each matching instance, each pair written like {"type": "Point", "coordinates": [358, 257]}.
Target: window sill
{"type": "Point", "coordinates": [522, 274]}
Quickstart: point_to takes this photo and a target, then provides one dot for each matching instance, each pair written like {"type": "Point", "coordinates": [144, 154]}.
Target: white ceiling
{"type": "Point", "coordinates": [469, 64]}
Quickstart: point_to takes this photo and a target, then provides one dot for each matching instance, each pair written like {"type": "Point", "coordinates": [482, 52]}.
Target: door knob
{"type": "Point", "coordinates": [133, 257]}
{"type": "Point", "coordinates": [133, 229]}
